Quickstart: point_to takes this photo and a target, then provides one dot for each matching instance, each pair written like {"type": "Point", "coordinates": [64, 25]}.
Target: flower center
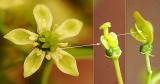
{"type": "Point", "coordinates": [47, 41]}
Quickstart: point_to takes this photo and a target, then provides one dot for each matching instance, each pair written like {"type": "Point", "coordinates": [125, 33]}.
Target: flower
{"type": "Point", "coordinates": [143, 32]}
{"type": "Point", "coordinates": [142, 29]}
{"type": "Point", "coordinates": [48, 42]}
{"type": "Point", "coordinates": [110, 42]}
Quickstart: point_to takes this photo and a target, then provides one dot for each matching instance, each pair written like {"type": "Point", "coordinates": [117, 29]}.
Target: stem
{"type": "Point", "coordinates": [46, 72]}
{"type": "Point", "coordinates": [149, 70]}
{"type": "Point", "coordinates": [118, 71]}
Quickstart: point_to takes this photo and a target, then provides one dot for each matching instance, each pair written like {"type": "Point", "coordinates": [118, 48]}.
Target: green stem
{"type": "Point", "coordinates": [46, 72]}
{"type": "Point", "coordinates": [118, 71]}
{"type": "Point", "coordinates": [149, 70]}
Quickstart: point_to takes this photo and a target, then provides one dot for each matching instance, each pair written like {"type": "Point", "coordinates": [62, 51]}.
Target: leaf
{"type": "Point", "coordinates": [65, 62]}
{"type": "Point", "coordinates": [33, 62]}
{"type": "Point", "coordinates": [43, 18]}
{"type": "Point", "coordinates": [21, 36]}
{"type": "Point", "coordinates": [69, 28]}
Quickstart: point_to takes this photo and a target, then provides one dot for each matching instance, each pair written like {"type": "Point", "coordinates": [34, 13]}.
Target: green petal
{"type": "Point", "coordinates": [138, 34]}
{"type": "Point", "coordinates": [112, 39]}
{"type": "Point", "coordinates": [43, 18]}
{"type": "Point", "coordinates": [65, 62]}
{"type": "Point", "coordinates": [33, 62]}
{"type": "Point", "coordinates": [144, 26]}
{"type": "Point", "coordinates": [21, 36]}
{"type": "Point", "coordinates": [116, 52]}
{"type": "Point", "coordinates": [69, 28]}
{"type": "Point", "coordinates": [104, 42]}
{"type": "Point", "coordinates": [105, 27]}
{"type": "Point", "coordinates": [109, 40]}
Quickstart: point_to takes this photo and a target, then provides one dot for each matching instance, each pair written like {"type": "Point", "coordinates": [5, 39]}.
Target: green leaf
{"type": "Point", "coordinates": [21, 36]}
{"type": "Point", "coordinates": [33, 62]}
{"type": "Point", "coordinates": [69, 28]}
{"type": "Point", "coordinates": [43, 18]}
{"type": "Point", "coordinates": [65, 62]}
{"type": "Point", "coordinates": [145, 27]}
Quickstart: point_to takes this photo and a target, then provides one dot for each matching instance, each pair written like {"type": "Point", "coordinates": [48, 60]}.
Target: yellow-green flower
{"type": "Point", "coordinates": [48, 42]}
{"type": "Point", "coordinates": [143, 32]}
{"type": "Point", "coordinates": [142, 29]}
{"type": "Point", "coordinates": [110, 41]}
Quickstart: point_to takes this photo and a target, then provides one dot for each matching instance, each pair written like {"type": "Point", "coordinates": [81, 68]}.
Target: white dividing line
{"type": "Point", "coordinates": [79, 46]}
{"type": "Point", "coordinates": [96, 44]}
{"type": "Point", "coordinates": [126, 34]}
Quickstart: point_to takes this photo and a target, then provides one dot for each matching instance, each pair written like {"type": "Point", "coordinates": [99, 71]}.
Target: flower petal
{"type": "Point", "coordinates": [112, 39]}
{"type": "Point", "coordinates": [138, 34]}
{"type": "Point", "coordinates": [43, 18]}
{"type": "Point", "coordinates": [33, 62]}
{"type": "Point", "coordinates": [65, 62]}
{"type": "Point", "coordinates": [69, 28]}
{"type": "Point", "coordinates": [144, 26]}
{"type": "Point", "coordinates": [21, 36]}
{"type": "Point", "coordinates": [104, 42]}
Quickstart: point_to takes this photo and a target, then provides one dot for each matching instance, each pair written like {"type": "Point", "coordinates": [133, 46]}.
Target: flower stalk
{"type": "Point", "coordinates": [149, 70]}
{"type": "Point", "coordinates": [118, 71]}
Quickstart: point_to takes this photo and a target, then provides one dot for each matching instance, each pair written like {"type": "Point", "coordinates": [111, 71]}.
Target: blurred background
{"type": "Point", "coordinates": [19, 14]}
{"type": "Point", "coordinates": [135, 62]}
